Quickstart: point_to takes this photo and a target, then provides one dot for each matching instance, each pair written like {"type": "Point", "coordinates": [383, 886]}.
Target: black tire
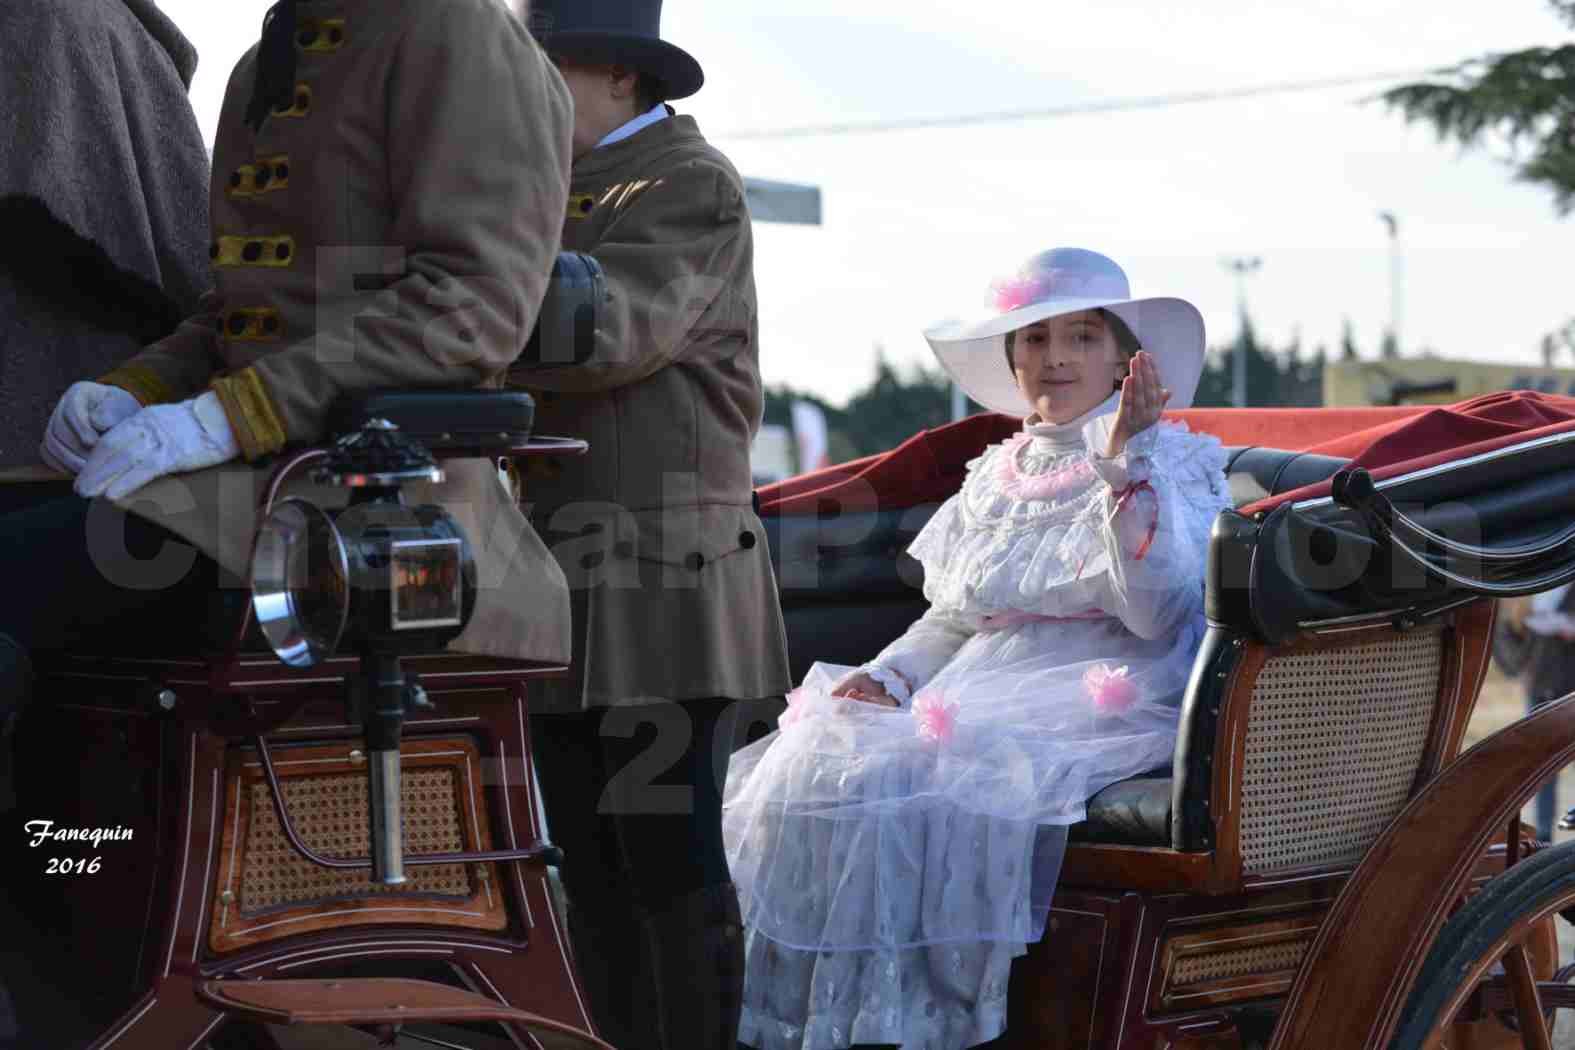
{"type": "Point", "coordinates": [1542, 884]}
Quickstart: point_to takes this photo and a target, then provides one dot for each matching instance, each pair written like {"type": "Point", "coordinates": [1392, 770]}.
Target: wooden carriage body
{"type": "Point", "coordinates": [1196, 903]}
{"type": "Point", "coordinates": [214, 766]}
{"type": "Point", "coordinates": [1190, 897]}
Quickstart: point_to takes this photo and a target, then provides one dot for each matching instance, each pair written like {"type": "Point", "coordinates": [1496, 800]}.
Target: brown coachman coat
{"type": "Point", "coordinates": [655, 528]}
{"type": "Point", "coordinates": [394, 227]}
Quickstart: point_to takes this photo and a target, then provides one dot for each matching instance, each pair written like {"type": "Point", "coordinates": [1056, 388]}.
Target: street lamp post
{"type": "Point", "coordinates": [1241, 266]}
{"type": "Point", "coordinates": [1393, 226]}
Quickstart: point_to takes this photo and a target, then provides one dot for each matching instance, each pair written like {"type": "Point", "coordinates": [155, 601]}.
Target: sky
{"type": "Point", "coordinates": [916, 223]}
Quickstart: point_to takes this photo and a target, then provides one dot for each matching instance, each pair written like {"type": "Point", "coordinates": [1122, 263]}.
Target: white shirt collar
{"type": "Point", "coordinates": [1074, 433]}
{"type": "Point", "coordinates": [640, 123]}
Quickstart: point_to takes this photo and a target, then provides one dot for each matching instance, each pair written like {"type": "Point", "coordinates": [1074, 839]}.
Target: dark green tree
{"type": "Point", "coordinates": [1526, 97]}
{"type": "Point", "coordinates": [1347, 341]}
{"type": "Point", "coordinates": [1275, 378]}
{"type": "Point", "coordinates": [891, 409]}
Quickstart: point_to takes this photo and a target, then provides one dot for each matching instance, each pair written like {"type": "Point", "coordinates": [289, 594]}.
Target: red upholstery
{"type": "Point", "coordinates": [1440, 435]}
{"type": "Point", "coordinates": [929, 466]}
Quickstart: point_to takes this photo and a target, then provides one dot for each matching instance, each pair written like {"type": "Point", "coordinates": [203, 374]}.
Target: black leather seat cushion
{"type": "Point", "coordinates": [486, 421]}
{"type": "Point", "coordinates": [1256, 473]}
{"type": "Point", "coordinates": [1133, 812]}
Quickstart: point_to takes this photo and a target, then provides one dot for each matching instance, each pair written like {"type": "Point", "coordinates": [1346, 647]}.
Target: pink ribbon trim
{"type": "Point", "coordinates": [1153, 526]}
{"type": "Point", "coordinates": [1012, 617]}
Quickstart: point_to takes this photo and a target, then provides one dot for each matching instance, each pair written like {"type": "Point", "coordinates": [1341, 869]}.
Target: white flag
{"type": "Point", "coordinates": [809, 430]}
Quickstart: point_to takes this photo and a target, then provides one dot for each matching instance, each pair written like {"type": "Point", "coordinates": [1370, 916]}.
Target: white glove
{"type": "Point", "coordinates": [85, 411]}
{"type": "Point", "coordinates": [159, 440]}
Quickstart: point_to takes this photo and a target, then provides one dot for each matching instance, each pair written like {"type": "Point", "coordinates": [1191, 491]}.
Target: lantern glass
{"type": "Point", "coordinates": [299, 578]}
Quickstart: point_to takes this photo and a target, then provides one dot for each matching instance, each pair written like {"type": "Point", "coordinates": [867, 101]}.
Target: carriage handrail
{"type": "Point", "coordinates": [1354, 489]}
{"type": "Point", "coordinates": [543, 851]}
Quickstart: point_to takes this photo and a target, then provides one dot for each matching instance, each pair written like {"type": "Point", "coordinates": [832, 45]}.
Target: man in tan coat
{"type": "Point", "coordinates": [389, 180]}
{"type": "Point", "coordinates": [676, 616]}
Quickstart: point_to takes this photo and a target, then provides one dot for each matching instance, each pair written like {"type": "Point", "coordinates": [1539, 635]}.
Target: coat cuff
{"type": "Point", "coordinates": [254, 418]}
{"type": "Point", "coordinates": [142, 383]}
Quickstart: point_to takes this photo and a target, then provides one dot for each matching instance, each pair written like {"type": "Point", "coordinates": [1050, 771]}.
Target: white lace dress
{"type": "Point", "coordinates": [890, 863]}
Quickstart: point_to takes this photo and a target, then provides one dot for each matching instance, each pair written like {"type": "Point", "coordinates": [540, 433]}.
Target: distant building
{"type": "Point", "coordinates": [1434, 381]}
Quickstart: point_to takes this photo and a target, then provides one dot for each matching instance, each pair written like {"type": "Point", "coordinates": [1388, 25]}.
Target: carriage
{"type": "Point", "coordinates": [1319, 867]}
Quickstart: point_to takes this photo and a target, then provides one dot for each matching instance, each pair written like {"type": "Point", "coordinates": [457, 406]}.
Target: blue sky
{"type": "Point", "coordinates": [917, 222]}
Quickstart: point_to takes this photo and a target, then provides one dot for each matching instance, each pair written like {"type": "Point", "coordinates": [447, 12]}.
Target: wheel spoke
{"type": "Point", "coordinates": [1528, 1004]}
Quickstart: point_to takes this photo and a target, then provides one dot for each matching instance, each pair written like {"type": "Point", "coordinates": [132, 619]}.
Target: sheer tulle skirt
{"type": "Point", "coordinates": [890, 864]}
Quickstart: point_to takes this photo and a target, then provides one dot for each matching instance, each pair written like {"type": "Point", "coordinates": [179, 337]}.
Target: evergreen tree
{"type": "Point", "coordinates": [1275, 379]}
{"type": "Point", "coordinates": [1527, 97]}
{"type": "Point", "coordinates": [1347, 342]}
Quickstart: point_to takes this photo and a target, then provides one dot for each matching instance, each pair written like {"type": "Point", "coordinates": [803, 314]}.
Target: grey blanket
{"type": "Point", "coordinates": [103, 198]}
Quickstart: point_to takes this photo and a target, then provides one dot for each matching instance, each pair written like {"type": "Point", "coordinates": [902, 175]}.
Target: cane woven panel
{"type": "Point", "coordinates": [1334, 739]}
{"type": "Point", "coordinates": [265, 890]}
{"type": "Point", "coordinates": [1233, 964]}
{"type": "Point", "coordinates": [330, 813]}
{"type": "Point", "coordinates": [1240, 962]}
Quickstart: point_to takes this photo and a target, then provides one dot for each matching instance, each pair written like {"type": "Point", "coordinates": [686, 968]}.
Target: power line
{"type": "Point", "coordinates": [1119, 105]}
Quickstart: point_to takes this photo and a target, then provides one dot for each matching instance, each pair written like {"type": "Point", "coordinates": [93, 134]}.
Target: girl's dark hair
{"type": "Point", "coordinates": [1126, 342]}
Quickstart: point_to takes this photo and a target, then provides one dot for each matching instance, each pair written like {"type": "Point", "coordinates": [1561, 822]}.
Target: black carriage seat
{"type": "Point", "coordinates": [848, 589]}
{"type": "Point", "coordinates": [449, 423]}
{"type": "Point", "coordinates": [1256, 473]}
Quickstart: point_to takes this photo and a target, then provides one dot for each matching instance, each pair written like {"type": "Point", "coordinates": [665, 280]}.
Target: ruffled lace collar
{"type": "Point", "coordinates": [1046, 462]}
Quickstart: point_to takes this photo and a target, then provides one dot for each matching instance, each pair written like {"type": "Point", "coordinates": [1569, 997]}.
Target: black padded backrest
{"type": "Point", "coordinates": [478, 422]}
{"type": "Point", "coordinates": [1255, 473]}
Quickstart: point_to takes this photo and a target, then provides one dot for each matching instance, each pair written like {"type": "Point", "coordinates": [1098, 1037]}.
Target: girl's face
{"type": "Point", "coordinates": [1066, 365]}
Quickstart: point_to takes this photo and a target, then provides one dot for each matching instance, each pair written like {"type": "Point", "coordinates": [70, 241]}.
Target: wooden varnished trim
{"type": "Point", "coordinates": [230, 930]}
{"type": "Point", "coordinates": [1474, 632]}
{"type": "Point", "coordinates": [260, 674]}
{"type": "Point", "coordinates": [1153, 869]}
{"type": "Point", "coordinates": [1365, 959]}
{"type": "Point", "coordinates": [1171, 994]}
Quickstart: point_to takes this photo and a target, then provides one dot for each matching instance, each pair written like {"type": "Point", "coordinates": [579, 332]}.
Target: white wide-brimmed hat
{"type": "Point", "coordinates": [1065, 281]}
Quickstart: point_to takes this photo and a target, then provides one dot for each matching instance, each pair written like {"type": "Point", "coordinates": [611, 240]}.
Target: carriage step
{"type": "Point", "coordinates": [379, 1001]}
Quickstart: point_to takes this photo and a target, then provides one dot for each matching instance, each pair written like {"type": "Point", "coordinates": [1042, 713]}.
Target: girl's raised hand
{"type": "Point", "coordinates": [1143, 398]}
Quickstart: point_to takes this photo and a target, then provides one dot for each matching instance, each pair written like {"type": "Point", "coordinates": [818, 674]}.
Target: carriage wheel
{"type": "Point", "coordinates": [1478, 969]}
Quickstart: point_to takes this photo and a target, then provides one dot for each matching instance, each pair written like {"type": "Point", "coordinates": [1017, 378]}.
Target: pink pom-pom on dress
{"type": "Point", "coordinates": [1110, 690]}
{"type": "Point", "coordinates": [936, 717]}
{"type": "Point", "coordinates": [795, 709]}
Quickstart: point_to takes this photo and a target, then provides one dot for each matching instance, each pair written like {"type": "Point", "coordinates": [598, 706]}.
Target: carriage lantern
{"type": "Point", "coordinates": [379, 578]}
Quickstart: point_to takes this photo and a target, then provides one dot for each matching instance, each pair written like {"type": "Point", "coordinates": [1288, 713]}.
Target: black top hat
{"type": "Point", "coordinates": [621, 31]}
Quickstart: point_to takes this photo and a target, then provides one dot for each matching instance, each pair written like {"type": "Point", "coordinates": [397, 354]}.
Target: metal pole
{"type": "Point", "coordinates": [1241, 266]}
{"type": "Point", "coordinates": [1394, 279]}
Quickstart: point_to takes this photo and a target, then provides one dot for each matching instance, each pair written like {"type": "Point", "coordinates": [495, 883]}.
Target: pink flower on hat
{"type": "Point", "coordinates": [1111, 690]}
{"type": "Point", "coordinates": [1011, 293]}
{"type": "Point", "coordinates": [936, 716]}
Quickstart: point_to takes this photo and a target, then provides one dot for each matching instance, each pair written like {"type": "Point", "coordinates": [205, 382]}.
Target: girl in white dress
{"type": "Point", "coordinates": [896, 842]}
